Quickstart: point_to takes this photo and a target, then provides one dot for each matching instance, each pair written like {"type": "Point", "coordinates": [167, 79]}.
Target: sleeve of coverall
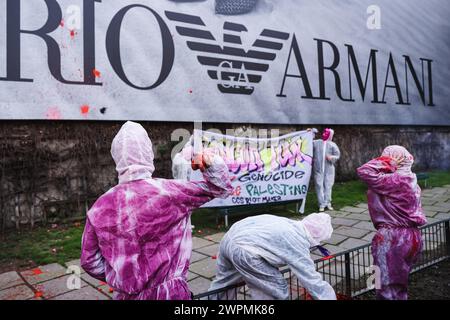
{"type": "Point", "coordinates": [217, 184]}
{"type": "Point", "coordinates": [92, 260]}
{"type": "Point", "coordinates": [299, 260]}
{"type": "Point", "coordinates": [335, 153]}
{"type": "Point", "coordinates": [379, 175]}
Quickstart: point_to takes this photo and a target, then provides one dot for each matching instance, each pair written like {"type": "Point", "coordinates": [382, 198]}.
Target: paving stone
{"type": "Point", "coordinates": [76, 263]}
{"type": "Point", "coordinates": [209, 250]}
{"type": "Point", "coordinates": [432, 220]}
{"type": "Point", "coordinates": [336, 239]}
{"type": "Point", "coordinates": [191, 276]}
{"type": "Point", "coordinates": [359, 216]}
{"type": "Point", "coordinates": [217, 237]}
{"type": "Point", "coordinates": [351, 232]}
{"type": "Point", "coordinates": [442, 207]}
{"type": "Point", "coordinates": [434, 208]}
{"type": "Point", "coordinates": [344, 221]}
{"type": "Point", "coordinates": [21, 292]}
{"type": "Point", "coordinates": [365, 225]}
{"type": "Point", "coordinates": [91, 280]}
{"type": "Point", "coordinates": [369, 236]}
{"type": "Point", "coordinates": [363, 205]}
{"type": "Point", "coordinates": [351, 243]}
{"type": "Point", "coordinates": [43, 273]}
{"type": "Point", "coordinates": [106, 289]}
{"type": "Point", "coordinates": [199, 242]}
{"type": "Point", "coordinates": [334, 249]}
{"type": "Point", "coordinates": [86, 293]}
{"type": "Point", "coordinates": [337, 214]}
{"type": "Point", "coordinates": [315, 257]}
{"type": "Point", "coordinates": [205, 268]}
{"type": "Point", "coordinates": [195, 256]}
{"type": "Point", "coordinates": [10, 279]}
{"type": "Point", "coordinates": [428, 201]}
{"type": "Point", "coordinates": [430, 213]}
{"type": "Point", "coordinates": [55, 287]}
{"type": "Point", "coordinates": [353, 209]}
{"type": "Point", "coordinates": [199, 285]}
{"type": "Point", "coordinates": [442, 216]}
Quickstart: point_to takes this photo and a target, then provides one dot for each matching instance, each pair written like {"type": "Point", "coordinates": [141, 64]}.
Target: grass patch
{"type": "Point", "coordinates": [42, 245]}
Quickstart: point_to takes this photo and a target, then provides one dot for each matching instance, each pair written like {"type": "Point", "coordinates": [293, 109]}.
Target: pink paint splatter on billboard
{"type": "Point", "coordinates": [53, 113]}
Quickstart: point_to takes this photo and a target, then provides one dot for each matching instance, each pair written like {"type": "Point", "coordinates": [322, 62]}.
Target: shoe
{"type": "Point", "coordinates": [329, 207]}
{"type": "Point", "coordinates": [321, 209]}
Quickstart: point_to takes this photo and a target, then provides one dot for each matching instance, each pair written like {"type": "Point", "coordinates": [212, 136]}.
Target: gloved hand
{"type": "Point", "coordinates": [203, 160]}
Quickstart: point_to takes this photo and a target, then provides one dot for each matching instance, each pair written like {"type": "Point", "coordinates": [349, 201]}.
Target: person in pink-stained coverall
{"type": "Point", "coordinates": [396, 212]}
{"type": "Point", "coordinates": [138, 235]}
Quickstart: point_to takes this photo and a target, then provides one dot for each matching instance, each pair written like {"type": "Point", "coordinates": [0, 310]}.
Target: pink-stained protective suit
{"type": "Point", "coordinates": [138, 235]}
{"type": "Point", "coordinates": [396, 212]}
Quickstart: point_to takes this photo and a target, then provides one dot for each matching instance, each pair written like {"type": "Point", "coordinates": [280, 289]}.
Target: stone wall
{"type": "Point", "coordinates": [54, 170]}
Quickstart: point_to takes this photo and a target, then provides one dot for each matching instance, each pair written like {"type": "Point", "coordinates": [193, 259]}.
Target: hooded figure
{"type": "Point", "coordinates": [326, 154]}
{"type": "Point", "coordinates": [254, 249]}
{"type": "Point", "coordinates": [138, 236]}
{"type": "Point", "coordinates": [396, 212]}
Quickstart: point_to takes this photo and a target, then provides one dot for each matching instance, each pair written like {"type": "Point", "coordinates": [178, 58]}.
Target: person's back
{"type": "Point", "coordinates": [396, 212]}
{"type": "Point", "coordinates": [138, 236]}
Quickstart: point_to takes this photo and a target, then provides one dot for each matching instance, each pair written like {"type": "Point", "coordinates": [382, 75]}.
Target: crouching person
{"type": "Point", "coordinates": [138, 236]}
{"type": "Point", "coordinates": [254, 249]}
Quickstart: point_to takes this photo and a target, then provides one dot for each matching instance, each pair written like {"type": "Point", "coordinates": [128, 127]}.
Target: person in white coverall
{"type": "Point", "coordinates": [326, 154]}
{"type": "Point", "coordinates": [254, 249]}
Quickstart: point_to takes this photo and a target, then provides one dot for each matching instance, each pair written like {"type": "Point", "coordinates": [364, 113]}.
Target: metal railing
{"type": "Point", "coordinates": [348, 272]}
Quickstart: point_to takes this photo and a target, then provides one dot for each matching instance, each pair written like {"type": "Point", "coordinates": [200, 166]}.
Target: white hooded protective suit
{"type": "Point", "coordinates": [254, 249]}
{"type": "Point", "coordinates": [324, 171]}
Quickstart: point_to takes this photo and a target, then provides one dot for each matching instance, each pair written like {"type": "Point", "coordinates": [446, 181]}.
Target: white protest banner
{"type": "Point", "coordinates": [262, 170]}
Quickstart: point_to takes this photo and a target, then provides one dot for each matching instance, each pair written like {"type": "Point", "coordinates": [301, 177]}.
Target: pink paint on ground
{"type": "Point", "coordinates": [36, 271]}
{"type": "Point", "coordinates": [53, 113]}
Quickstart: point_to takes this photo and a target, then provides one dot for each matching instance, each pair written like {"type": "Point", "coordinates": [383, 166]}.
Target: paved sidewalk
{"type": "Point", "coordinates": [352, 228]}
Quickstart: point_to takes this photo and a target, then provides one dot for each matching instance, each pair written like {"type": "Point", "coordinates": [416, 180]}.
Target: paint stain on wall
{"type": "Point", "coordinates": [73, 33]}
{"type": "Point", "coordinates": [96, 73]}
{"type": "Point", "coordinates": [53, 113]}
{"type": "Point", "coordinates": [84, 109]}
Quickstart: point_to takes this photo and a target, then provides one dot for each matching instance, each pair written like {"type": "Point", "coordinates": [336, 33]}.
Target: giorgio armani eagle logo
{"type": "Point", "coordinates": [235, 69]}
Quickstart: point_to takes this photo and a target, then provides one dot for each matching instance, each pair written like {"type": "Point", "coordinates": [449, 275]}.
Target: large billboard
{"type": "Point", "coordinates": [289, 61]}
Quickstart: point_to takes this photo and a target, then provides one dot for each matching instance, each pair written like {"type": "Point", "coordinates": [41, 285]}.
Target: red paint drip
{"type": "Point", "coordinates": [62, 23]}
{"type": "Point", "coordinates": [96, 73]}
{"type": "Point", "coordinates": [72, 34]}
{"type": "Point", "coordinates": [84, 109]}
{"type": "Point", "coordinates": [214, 257]}
{"type": "Point", "coordinates": [111, 290]}
{"type": "Point", "coordinates": [38, 294]}
{"type": "Point", "coordinates": [36, 271]}
{"type": "Point", "coordinates": [327, 258]}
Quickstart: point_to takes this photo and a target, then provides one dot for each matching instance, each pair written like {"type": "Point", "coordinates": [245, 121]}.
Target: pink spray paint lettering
{"type": "Point", "coordinates": [263, 170]}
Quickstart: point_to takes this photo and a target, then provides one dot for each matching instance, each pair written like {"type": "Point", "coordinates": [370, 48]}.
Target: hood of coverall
{"type": "Point", "coordinates": [403, 168]}
{"type": "Point", "coordinates": [132, 152]}
{"type": "Point", "coordinates": [318, 227]}
{"type": "Point", "coordinates": [328, 134]}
